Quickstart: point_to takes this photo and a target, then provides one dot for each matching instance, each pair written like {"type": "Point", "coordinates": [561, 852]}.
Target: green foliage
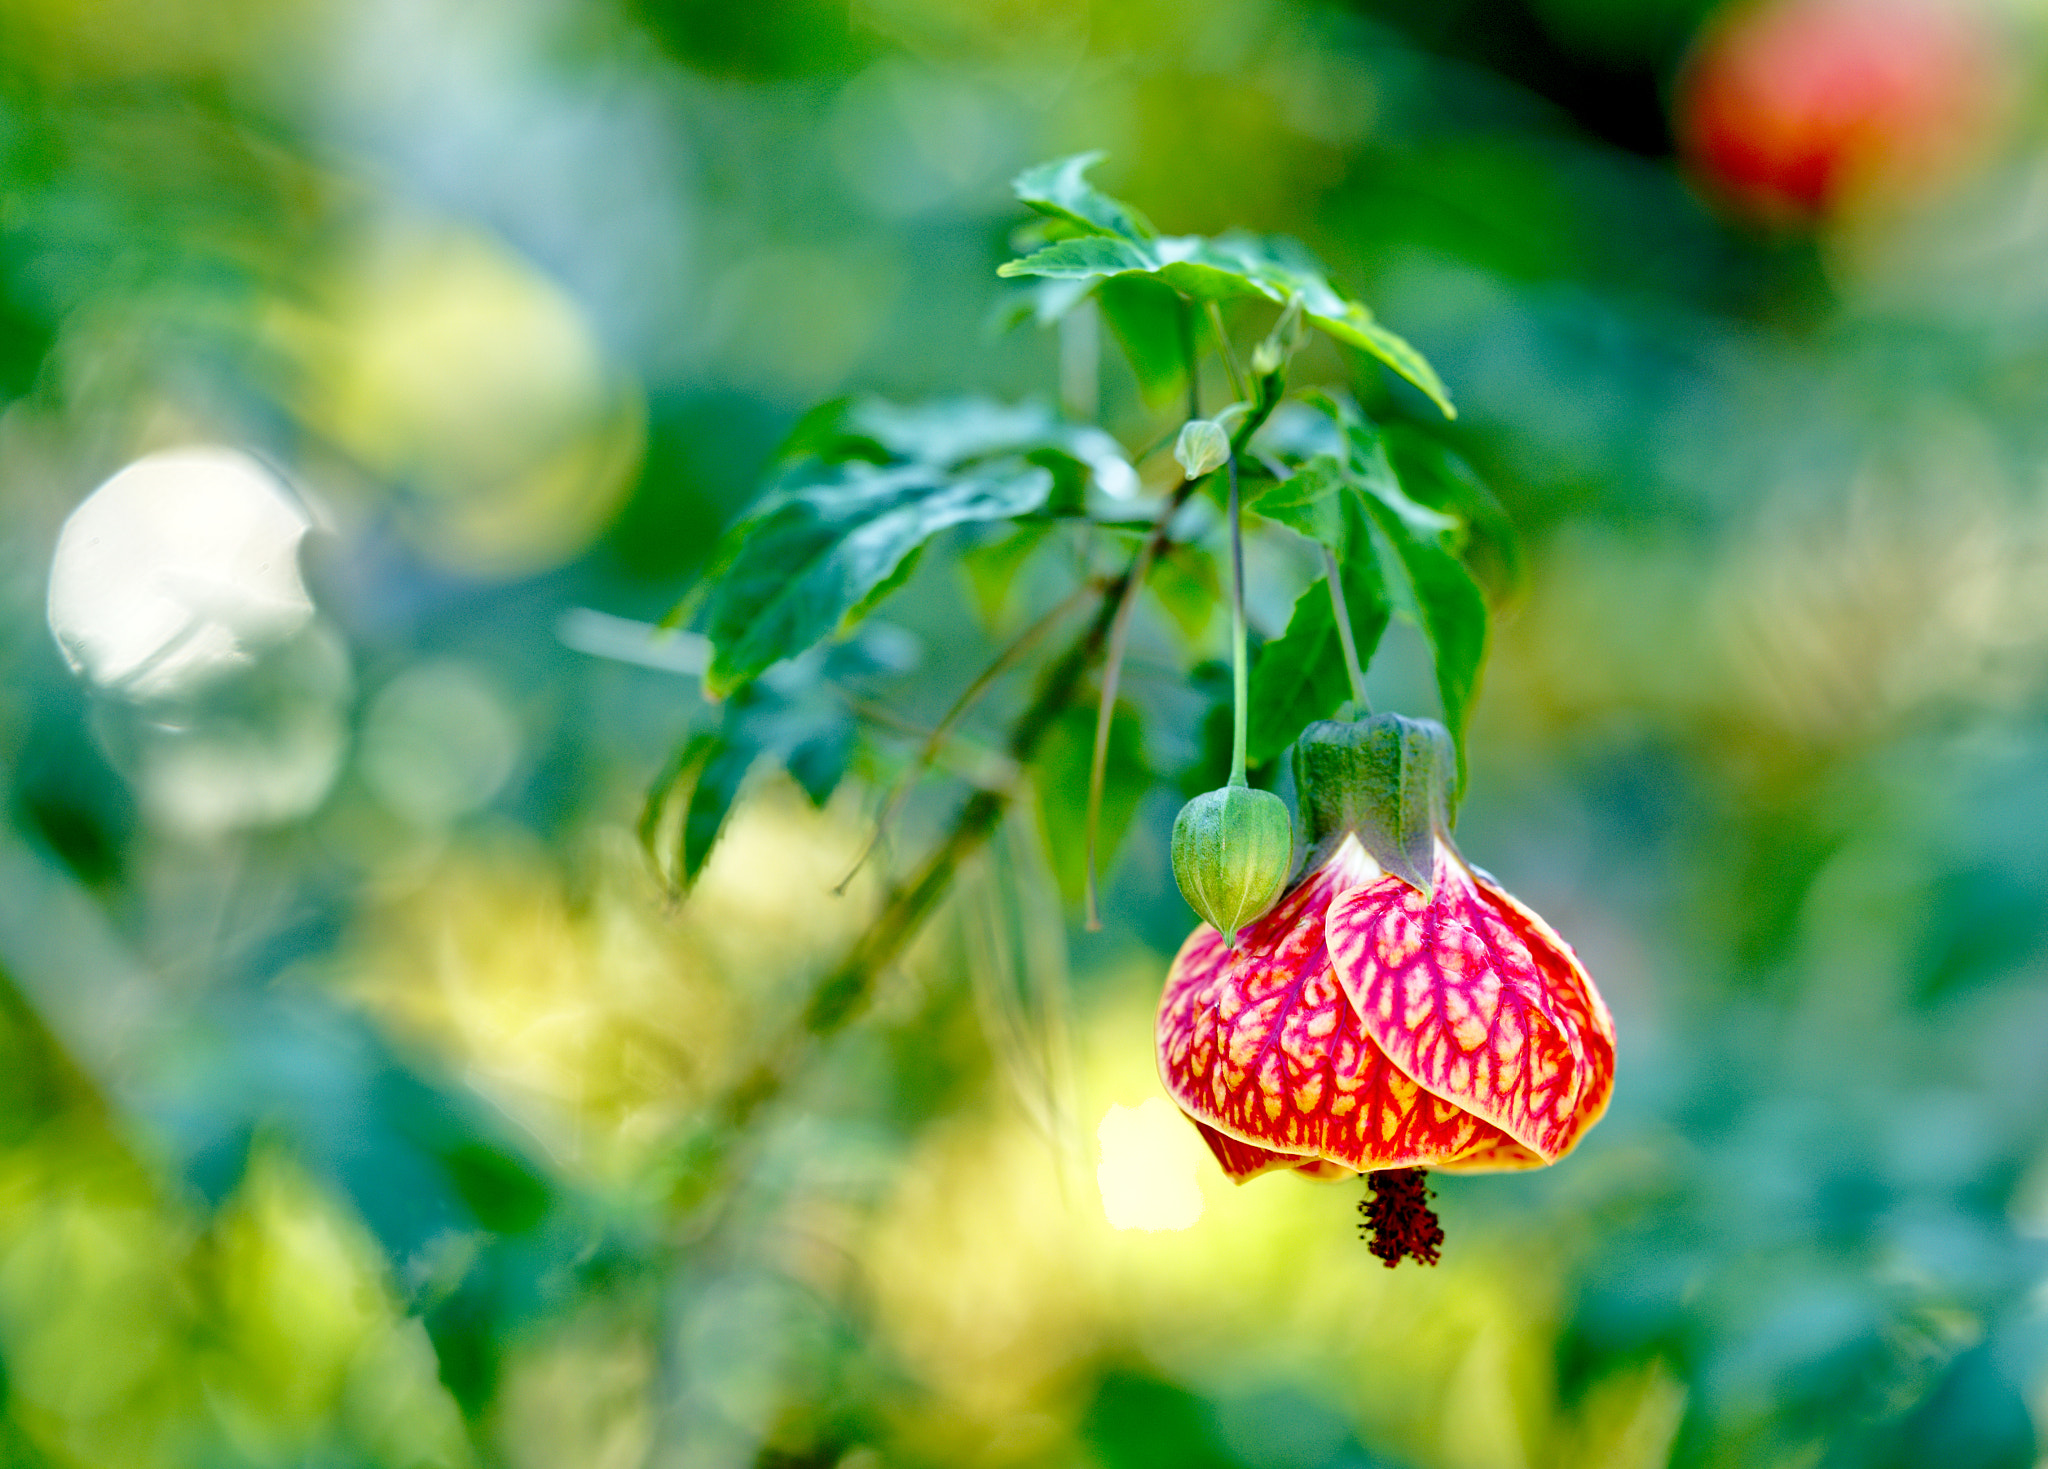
{"type": "Point", "coordinates": [1230, 266]}
{"type": "Point", "coordinates": [866, 486]}
{"type": "Point", "coordinates": [1061, 190]}
{"type": "Point", "coordinates": [796, 719]}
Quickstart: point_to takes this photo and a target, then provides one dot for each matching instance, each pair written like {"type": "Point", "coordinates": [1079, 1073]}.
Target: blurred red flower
{"type": "Point", "coordinates": [1793, 109]}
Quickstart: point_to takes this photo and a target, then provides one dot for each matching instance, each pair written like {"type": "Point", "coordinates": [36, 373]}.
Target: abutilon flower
{"type": "Point", "coordinates": [1397, 1009]}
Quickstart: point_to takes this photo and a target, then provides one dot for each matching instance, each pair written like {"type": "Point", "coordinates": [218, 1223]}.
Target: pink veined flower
{"type": "Point", "coordinates": [1365, 1025]}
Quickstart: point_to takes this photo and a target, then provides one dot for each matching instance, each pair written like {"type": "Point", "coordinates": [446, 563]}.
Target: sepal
{"type": "Point", "coordinates": [1386, 779]}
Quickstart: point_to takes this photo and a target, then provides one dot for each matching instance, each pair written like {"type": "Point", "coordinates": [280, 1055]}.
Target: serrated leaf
{"type": "Point", "coordinates": [1451, 608]}
{"type": "Point", "coordinates": [882, 590]}
{"type": "Point", "coordinates": [789, 573]}
{"type": "Point", "coordinates": [1233, 265]}
{"type": "Point", "coordinates": [1309, 501]}
{"type": "Point", "coordinates": [1041, 302]}
{"type": "Point", "coordinates": [1084, 259]}
{"type": "Point", "coordinates": [1061, 190]}
{"type": "Point", "coordinates": [953, 433]}
{"type": "Point", "coordinates": [807, 729]}
{"type": "Point", "coordinates": [682, 762]}
{"type": "Point", "coordinates": [1361, 447]}
{"type": "Point", "coordinates": [819, 763]}
{"type": "Point", "coordinates": [1300, 676]}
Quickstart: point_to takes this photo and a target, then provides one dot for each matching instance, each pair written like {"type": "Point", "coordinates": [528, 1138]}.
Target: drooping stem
{"type": "Point", "coordinates": [1105, 715]}
{"type": "Point", "coordinates": [1240, 670]}
{"type": "Point", "coordinates": [928, 753]}
{"type": "Point", "coordinates": [1352, 669]}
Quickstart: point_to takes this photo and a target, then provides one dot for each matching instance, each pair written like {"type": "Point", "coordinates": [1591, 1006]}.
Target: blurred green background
{"type": "Point", "coordinates": [348, 1048]}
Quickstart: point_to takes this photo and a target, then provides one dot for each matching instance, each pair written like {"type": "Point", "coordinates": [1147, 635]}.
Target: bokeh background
{"type": "Point", "coordinates": [349, 1045]}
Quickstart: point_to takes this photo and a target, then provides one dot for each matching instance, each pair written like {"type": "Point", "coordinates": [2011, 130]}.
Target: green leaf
{"type": "Point", "coordinates": [882, 590]}
{"type": "Point", "coordinates": [1061, 190]}
{"type": "Point", "coordinates": [787, 575]}
{"type": "Point", "coordinates": [682, 763]}
{"type": "Point", "coordinates": [1435, 475]}
{"type": "Point", "coordinates": [1187, 586]}
{"type": "Point", "coordinates": [1084, 259]}
{"type": "Point", "coordinates": [1232, 265]}
{"type": "Point", "coordinates": [953, 433]}
{"type": "Point", "coordinates": [1309, 501]}
{"type": "Point", "coordinates": [992, 568]}
{"type": "Point", "coordinates": [1451, 608]}
{"type": "Point", "coordinates": [1300, 676]}
{"type": "Point", "coordinates": [1041, 302]}
{"type": "Point", "coordinates": [1150, 322]}
{"type": "Point", "coordinates": [711, 798]}
{"type": "Point", "coordinates": [806, 728]}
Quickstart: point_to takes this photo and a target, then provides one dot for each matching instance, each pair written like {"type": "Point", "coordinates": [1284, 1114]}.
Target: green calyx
{"type": "Point", "coordinates": [1233, 850]}
{"type": "Point", "coordinates": [1388, 780]}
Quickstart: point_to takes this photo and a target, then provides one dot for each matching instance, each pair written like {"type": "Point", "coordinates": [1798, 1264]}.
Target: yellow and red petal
{"type": "Point", "coordinates": [1451, 989]}
{"type": "Point", "coordinates": [1260, 1046]}
{"type": "Point", "coordinates": [1572, 989]}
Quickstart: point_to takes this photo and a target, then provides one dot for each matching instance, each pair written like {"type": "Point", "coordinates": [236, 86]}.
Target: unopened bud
{"type": "Point", "coordinates": [1233, 849]}
{"type": "Point", "coordinates": [1201, 447]}
{"type": "Point", "coordinates": [1288, 333]}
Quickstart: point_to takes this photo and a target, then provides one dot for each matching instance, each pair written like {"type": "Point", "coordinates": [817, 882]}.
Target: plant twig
{"type": "Point", "coordinates": [1352, 668]}
{"type": "Point", "coordinates": [1105, 713]}
{"type": "Point", "coordinates": [1237, 378]}
{"type": "Point", "coordinates": [935, 741]}
{"type": "Point", "coordinates": [1240, 656]}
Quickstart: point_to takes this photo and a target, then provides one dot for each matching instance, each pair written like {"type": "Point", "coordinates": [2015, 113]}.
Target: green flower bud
{"type": "Point", "coordinates": [1201, 447]}
{"type": "Point", "coordinates": [1232, 852]}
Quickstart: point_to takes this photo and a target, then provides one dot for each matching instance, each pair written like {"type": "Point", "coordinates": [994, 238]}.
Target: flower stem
{"type": "Point", "coordinates": [1352, 669]}
{"type": "Point", "coordinates": [1237, 380]}
{"type": "Point", "coordinates": [1240, 671]}
{"type": "Point", "coordinates": [1105, 715]}
{"type": "Point", "coordinates": [936, 740]}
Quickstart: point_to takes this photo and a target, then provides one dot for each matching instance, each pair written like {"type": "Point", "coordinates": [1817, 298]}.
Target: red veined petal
{"type": "Point", "coordinates": [1573, 991]}
{"type": "Point", "coordinates": [1456, 999]}
{"type": "Point", "coordinates": [1244, 1160]}
{"type": "Point", "coordinates": [1261, 1047]}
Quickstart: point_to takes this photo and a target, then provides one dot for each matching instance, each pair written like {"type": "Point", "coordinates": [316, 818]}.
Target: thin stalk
{"type": "Point", "coordinates": [1240, 657]}
{"type": "Point", "coordinates": [1105, 714]}
{"type": "Point", "coordinates": [936, 740]}
{"type": "Point", "coordinates": [1187, 355]}
{"type": "Point", "coordinates": [1352, 669]}
{"type": "Point", "coordinates": [1237, 377]}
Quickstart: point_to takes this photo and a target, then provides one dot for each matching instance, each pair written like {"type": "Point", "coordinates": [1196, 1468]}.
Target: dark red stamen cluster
{"type": "Point", "coordinates": [1398, 1219]}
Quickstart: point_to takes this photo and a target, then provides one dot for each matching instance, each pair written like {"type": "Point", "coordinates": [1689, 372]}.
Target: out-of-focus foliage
{"type": "Point", "coordinates": [357, 1074]}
